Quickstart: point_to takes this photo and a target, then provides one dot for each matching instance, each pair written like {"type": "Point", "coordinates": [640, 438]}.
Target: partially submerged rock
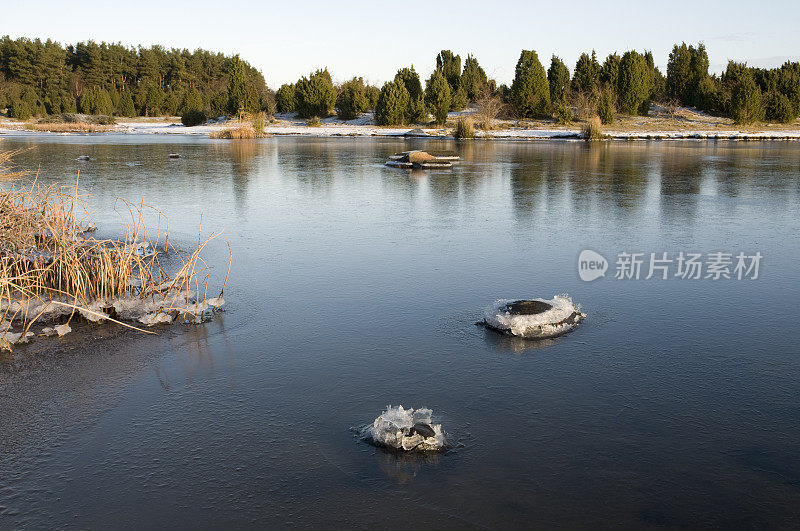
{"type": "Point", "coordinates": [405, 429]}
{"type": "Point", "coordinates": [415, 133]}
{"type": "Point", "coordinates": [420, 159]}
{"type": "Point", "coordinates": [534, 318]}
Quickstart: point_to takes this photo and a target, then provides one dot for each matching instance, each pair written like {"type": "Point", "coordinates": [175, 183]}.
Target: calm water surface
{"type": "Point", "coordinates": [355, 286]}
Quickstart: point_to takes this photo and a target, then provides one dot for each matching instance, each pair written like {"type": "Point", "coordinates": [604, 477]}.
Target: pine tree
{"type": "Point", "coordinates": [530, 91]}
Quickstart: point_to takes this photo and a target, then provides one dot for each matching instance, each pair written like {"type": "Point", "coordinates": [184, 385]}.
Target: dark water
{"type": "Point", "coordinates": [354, 286]}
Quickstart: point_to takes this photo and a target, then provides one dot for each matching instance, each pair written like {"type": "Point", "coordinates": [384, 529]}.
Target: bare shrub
{"type": "Point", "coordinates": [489, 106]}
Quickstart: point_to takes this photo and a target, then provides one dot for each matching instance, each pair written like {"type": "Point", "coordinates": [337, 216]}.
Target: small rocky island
{"type": "Point", "coordinates": [418, 159]}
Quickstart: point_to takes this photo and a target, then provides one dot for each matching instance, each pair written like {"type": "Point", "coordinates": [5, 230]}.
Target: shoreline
{"type": "Point", "coordinates": [362, 128]}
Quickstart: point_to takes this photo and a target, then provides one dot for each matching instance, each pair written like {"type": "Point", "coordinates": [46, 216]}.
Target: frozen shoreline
{"type": "Point", "coordinates": [285, 125]}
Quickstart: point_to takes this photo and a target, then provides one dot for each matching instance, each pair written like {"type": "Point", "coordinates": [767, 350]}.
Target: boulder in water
{"type": "Point", "coordinates": [415, 133]}
{"type": "Point", "coordinates": [420, 159]}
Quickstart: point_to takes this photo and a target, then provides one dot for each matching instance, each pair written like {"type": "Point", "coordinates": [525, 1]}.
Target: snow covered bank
{"type": "Point", "coordinates": [659, 126]}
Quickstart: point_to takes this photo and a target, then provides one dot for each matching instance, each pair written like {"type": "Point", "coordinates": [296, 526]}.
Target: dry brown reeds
{"type": "Point", "coordinates": [592, 129]}
{"type": "Point", "coordinates": [50, 266]}
{"type": "Point", "coordinates": [237, 132]}
{"type": "Point", "coordinates": [69, 127]}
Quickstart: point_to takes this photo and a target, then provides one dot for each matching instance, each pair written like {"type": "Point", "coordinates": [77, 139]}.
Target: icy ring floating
{"type": "Point", "coordinates": [405, 429]}
{"type": "Point", "coordinates": [534, 318]}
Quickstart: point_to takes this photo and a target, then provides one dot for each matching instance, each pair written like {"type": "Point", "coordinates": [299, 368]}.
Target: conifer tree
{"type": "Point", "coordinates": [558, 79]}
{"type": "Point", "coordinates": [530, 91]}
{"type": "Point", "coordinates": [634, 82]}
{"type": "Point", "coordinates": [437, 96]}
{"type": "Point", "coordinates": [392, 106]}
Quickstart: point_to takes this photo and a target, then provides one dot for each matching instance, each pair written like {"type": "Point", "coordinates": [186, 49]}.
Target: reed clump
{"type": "Point", "coordinates": [592, 129]}
{"type": "Point", "coordinates": [237, 132]}
{"type": "Point", "coordinates": [464, 128]}
{"type": "Point", "coordinates": [69, 127]}
{"type": "Point", "coordinates": [51, 267]}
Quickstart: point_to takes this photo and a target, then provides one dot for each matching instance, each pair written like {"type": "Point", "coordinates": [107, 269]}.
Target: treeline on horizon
{"type": "Point", "coordinates": [39, 78]}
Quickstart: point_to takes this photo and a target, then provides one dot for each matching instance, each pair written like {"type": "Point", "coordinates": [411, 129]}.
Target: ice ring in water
{"type": "Point", "coordinates": [534, 318]}
{"type": "Point", "coordinates": [405, 429]}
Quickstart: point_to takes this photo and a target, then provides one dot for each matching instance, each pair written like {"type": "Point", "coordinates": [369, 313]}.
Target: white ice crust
{"type": "Point", "coordinates": [541, 325]}
{"type": "Point", "coordinates": [393, 428]}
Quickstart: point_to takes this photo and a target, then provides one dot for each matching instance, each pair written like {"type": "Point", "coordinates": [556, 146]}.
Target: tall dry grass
{"type": "Point", "coordinates": [592, 129]}
{"type": "Point", "coordinates": [464, 128]}
{"type": "Point", "coordinates": [51, 266]}
{"type": "Point", "coordinates": [237, 132]}
{"type": "Point", "coordinates": [69, 127]}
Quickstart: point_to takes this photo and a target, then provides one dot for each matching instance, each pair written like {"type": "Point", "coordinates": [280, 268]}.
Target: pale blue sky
{"type": "Point", "coordinates": [373, 39]}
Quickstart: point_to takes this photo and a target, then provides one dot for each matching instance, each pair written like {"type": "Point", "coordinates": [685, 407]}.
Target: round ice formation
{"type": "Point", "coordinates": [534, 318]}
{"type": "Point", "coordinates": [406, 429]}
